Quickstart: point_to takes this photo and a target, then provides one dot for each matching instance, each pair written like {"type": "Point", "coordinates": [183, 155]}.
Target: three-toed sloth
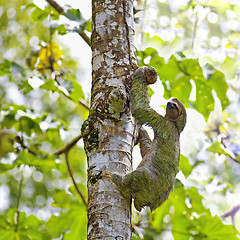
{"type": "Point", "coordinates": [151, 183]}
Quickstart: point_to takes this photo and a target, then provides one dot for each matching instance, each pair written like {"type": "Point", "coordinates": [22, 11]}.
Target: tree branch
{"type": "Point", "coordinates": [65, 150]}
{"type": "Point", "coordinates": [73, 180]}
{"type": "Point", "coordinates": [232, 212]}
{"type": "Point", "coordinates": [23, 146]}
{"type": "Point", "coordinates": [67, 147]}
{"type": "Point", "coordinates": [55, 5]}
{"type": "Point", "coordinates": [235, 160]}
{"type": "Point", "coordinates": [81, 102]}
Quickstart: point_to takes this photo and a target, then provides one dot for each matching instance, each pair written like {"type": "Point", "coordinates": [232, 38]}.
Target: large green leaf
{"type": "Point", "coordinates": [38, 14]}
{"type": "Point", "coordinates": [64, 200]}
{"type": "Point", "coordinates": [6, 146]}
{"type": "Point", "coordinates": [28, 227]}
{"type": "Point", "coordinates": [71, 223]}
{"type": "Point", "coordinates": [77, 92]}
{"type": "Point", "coordinates": [207, 227]}
{"type": "Point", "coordinates": [28, 125]}
{"type": "Point", "coordinates": [10, 118]}
{"type": "Point", "coordinates": [185, 166]}
{"type": "Point", "coordinates": [216, 147]}
{"type": "Point", "coordinates": [217, 81]}
{"type": "Point", "coordinates": [176, 76]}
{"type": "Point", "coordinates": [5, 67]}
{"type": "Point", "coordinates": [42, 162]}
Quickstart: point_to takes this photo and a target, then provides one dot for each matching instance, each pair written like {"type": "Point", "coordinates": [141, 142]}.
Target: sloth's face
{"type": "Point", "coordinates": [173, 110]}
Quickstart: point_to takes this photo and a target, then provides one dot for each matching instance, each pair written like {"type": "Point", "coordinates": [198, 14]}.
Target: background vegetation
{"type": "Point", "coordinates": [194, 46]}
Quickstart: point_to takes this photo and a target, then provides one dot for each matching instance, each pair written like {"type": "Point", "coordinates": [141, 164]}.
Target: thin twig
{"type": "Point", "coordinates": [194, 31]}
{"type": "Point", "coordinates": [18, 201]}
{"type": "Point", "coordinates": [61, 11]}
{"type": "Point", "coordinates": [55, 5]}
{"type": "Point", "coordinates": [73, 180]}
{"type": "Point", "coordinates": [20, 141]}
{"type": "Point", "coordinates": [235, 160]}
{"type": "Point", "coordinates": [81, 102]}
{"type": "Point", "coordinates": [84, 104]}
{"type": "Point", "coordinates": [66, 148]}
{"type": "Point", "coordinates": [232, 212]}
{"type": "Point", "coordinates": [142, 22]}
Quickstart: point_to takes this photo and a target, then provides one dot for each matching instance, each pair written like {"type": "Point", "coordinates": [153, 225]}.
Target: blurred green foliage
{"type": "Point", "coordinates": [194, 49]}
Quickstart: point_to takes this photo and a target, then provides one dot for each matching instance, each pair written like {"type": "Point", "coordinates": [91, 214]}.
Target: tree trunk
{"type": "Point", "coordinates": [109, 131]}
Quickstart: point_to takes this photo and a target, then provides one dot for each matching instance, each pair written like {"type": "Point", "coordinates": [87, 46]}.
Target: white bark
{"type": "Point", "coordinates": [113, 62]}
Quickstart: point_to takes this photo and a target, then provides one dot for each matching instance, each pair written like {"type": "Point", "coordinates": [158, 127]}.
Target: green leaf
{"type": "Point", "coordinates": [154, 41]}
{"type": "Point", "coordinates": [38, 14]}
{"type": "Point", "coordinates": [216, 148]}
{"type": "Point", "coordinates": [181, 89]}
{"type": "Point", "coordinates": [28, 125]}
{"type": "Point", "coordinates": [185, 166]}
{"type": "Point", "coordinates": [77, 92]}
{"type": "Point", "coordinates": [16, 68]}
{"type": "Point", "coordinates": [212, 228]}
{"type": "Point", "coordinates": [29, 227]}
{"type": "Point", "coordinates": [217, 81]}
{"type": "Point", "coordinates": [5, 146]}
{"type": "Point", "coordinates": [204, 99]}
{"type": "Point", "coordinates": [45, 163]}
{"type": "Point", "coordinates": [26, 87]}
{"type": "Point", "coordinates": [169, 71]}
{"type": "Point", "coordinates": [61, 30]}
{"type": "Point", "coordinates": [230, 66]}
{"type": "Point", "coordinates": [7, 234]}
{"type": "Point", "coordinates": [9, 120]}
{"type": "Point", "coordinates": [5, 67]}
{"type": "Point", "coordinates": [73, 223]}
{"type": "Point", "coordinates": [176, 76]}
{"type": "Point", "coordinates": [81, 187]}
{"type": "Point", "coordinates": [5, 167]}
{"type": "Point", "coordinates": [74, 15]}
{"type": "Point", "coordinates": [57, 225]}
{"type": "Point", "coordinates": [158, 215]}
{"type": "Point", "coordinates": [150, 91]}
{"type": "Point", "coordinates": [195, 199]}
{"type": "Point", "coordinates": [64, 200]}
{"type": "Point", "coordinates": [50, 86]}
{"type": "Point", "coordinates": [88, 26]}
{"type": "Point", "coordinates": [30, 6]}
{"type": "Point", "coordinates": [78, 228]}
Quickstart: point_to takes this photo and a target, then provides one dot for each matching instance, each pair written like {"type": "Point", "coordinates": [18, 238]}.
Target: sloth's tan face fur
{"type": "Point", "coordinates": [174, 110]}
